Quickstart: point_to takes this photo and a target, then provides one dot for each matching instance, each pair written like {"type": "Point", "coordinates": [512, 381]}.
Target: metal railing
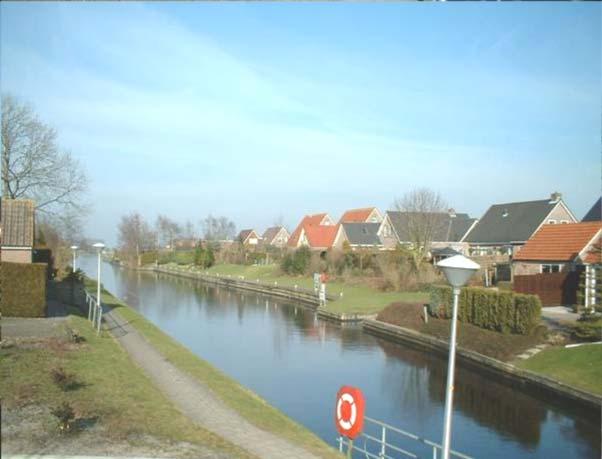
{"type": "Point", "coordinates": [378, 444]}
{"type": "Point", "coordinates": [94, 312]}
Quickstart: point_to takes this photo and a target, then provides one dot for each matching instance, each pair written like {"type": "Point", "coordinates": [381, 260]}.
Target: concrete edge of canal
{"type": "Point", "coordinates": [488, 365]}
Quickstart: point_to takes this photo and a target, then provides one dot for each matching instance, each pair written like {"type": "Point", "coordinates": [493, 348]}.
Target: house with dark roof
{"type": "Point", "coordinates": [248, 237]}
{"type": "Point", "coordinates": [276, 236]}
{"type": "Point", "coordinates": [595, 213]}
{"type": "Point", "coordinates": [449, 229]}
{"type": "Point", "coordinates": [559, 248]}
{"type": "Point", "coordinates": [362, 235]}
{"type": "Point", "coordinates": [16, 230]}
{"type": "Point", "coordinates": [507, 227]}
{"type": "Point", "coordinates": [364, 215]}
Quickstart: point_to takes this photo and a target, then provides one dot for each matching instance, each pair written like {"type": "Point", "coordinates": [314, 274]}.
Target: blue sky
{"type": "Point", "coordinates": [259, 110]}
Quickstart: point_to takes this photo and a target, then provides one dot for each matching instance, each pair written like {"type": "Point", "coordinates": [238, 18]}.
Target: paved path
{"type": "Point", "coordinates": [197, 401]}
{"type": "Point", "coordinates": [43, 327]}
{"type": "Point", "coordinates": [557, 317]}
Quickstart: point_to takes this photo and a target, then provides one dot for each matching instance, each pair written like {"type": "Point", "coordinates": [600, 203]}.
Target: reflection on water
{"type": "Point", "coordinates": [297, 362]}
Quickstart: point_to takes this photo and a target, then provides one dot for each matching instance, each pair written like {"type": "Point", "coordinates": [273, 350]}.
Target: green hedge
{"type": "Point", "coordinates": [493, 310]}
{"type": "Point", "coordinates": [23, 289]}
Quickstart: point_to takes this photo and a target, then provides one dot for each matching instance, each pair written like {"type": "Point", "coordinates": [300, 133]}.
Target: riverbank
{"type": "Point", "coordinates": [579, 366]}
{"type": "Point", "coordinates": [116, 408]}
{"type": "Point", "coordinates": [240, 400]}
{"type": "Point", "coordinates": [500, 346]}
{"type": "Point", "coordinates": [344, 302]}
{"type": "Point", "coordinates": [511, 374]}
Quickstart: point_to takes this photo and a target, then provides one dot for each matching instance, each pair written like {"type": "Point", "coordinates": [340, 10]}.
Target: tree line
{"type": "Point", "coordinates": [135, 235]}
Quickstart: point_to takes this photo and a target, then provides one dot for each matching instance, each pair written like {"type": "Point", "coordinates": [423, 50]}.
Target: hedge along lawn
{"type": "Point", "coordinates": [579, 366]}
{"type": "Point", "coordinates": [248, 404]}
{"type": "Point", "coordinates": [114, 392]}
{"type": "Point", "coordinates": [23, 289]}
{"type": "Point", "coordinates": [356, 299]}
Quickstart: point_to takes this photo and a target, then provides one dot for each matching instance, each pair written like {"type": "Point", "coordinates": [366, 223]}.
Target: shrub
{"type": "Point", "coordinates": [23, 289]}
{"type": "Point", "coordinates": [297, 262]}
{"type": "Point", "coordinates": [204, 257]}
{"type": "Point", "coordinates": [65, 415]}
{"type": "Point", "coordinates": [66, 381]}
{"type": "Point", "coordinates": [500, 311]}
{"type": "Point", "coordinates": [527, 313]}
{"type": "Point", "coordinates": [588, 328]}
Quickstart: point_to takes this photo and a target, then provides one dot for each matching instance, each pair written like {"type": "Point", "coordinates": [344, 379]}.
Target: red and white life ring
{"type": "Point", "coordinates": [349, 412]}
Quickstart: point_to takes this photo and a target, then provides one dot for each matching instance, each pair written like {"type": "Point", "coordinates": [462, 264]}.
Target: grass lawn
{"type": "Point", "coordinates": [500, 346]}
{"type": "Point", "coordinates": [580, 366]}
{"type": "Point", "coordinates": [359, 299]}
{"type": "Point", "coordinates": [245, 402]}
{"type": "Point", "coordinates": [113, 392]}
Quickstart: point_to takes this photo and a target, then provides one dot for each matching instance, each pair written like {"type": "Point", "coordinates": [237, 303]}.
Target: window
{"type": "Point", "coordinates": [550, 268]}
{"type": "Point", "coordinates": [551, 222]}
{"type": "Point", "coordinates": [386, 231]}
{"type": "Point", "coordinates": [564, 221]}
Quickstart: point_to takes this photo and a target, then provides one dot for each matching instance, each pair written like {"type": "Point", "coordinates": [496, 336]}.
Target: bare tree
{"type": "Point", "coordinates": [34, 167]}
{"type": "Point", "coordinates": [218, 228]}
{"type": "Point", "coordinates": [168, 230]}
{"type": "Point", "coordinates": [423, 211]}
{"type": "Point", "coordinates": [135, 236]}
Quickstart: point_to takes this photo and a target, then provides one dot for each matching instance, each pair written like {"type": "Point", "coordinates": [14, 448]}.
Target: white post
{"type": "Point", "coordinates": [383, 442]}
{"type": "Point", "coordinates": [593, 284]}
{"type": "Point", "coordinates": [98, 281]}
{"type": "Point", "coordinates": [586, 288]}
{"type": "Point", "coordinates": [449, 392]}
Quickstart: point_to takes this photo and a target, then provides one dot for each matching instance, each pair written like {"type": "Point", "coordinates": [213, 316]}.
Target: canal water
{"type": "Point", "coordinates": [297, 362]}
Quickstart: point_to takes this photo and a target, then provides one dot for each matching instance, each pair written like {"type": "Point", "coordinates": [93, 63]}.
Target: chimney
{"type": "Point", "coordinates": [452, 213]}
{"type": "Point", "coordinates": [555, 197]}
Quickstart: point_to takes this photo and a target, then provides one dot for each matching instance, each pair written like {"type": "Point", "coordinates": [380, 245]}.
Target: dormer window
{"type": "Point", "coordinates": [505, 213]}
{"type": "Point", "coordinates": [552, 222]}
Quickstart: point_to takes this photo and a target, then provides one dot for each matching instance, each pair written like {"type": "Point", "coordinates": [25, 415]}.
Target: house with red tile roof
{"type": "Point", "coordinates": [364, 215]}
{"type": "Point", "coordinates": [318, 232]}
{"type": "Point", "coordinates": [559, 248]}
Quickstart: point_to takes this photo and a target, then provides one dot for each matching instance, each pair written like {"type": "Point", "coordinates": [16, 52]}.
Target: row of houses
{"type": "Point", "coordinates": [503, 229]}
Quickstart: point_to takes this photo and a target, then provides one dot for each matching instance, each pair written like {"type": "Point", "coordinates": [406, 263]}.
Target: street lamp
{"type": "Point", "coordinates": [98, 246]}
{"type": "Point", "coordinates": [457, 269]}
{"type": "Point", "coordinates": [74, 249]}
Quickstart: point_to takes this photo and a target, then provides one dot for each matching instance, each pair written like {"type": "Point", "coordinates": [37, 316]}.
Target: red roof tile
{"type": "Point", "coordinates": [321, 235]}
{"type": "Point", "coordinates": [594, 256]}
{"type": "Point", "coordinates": [308, 220]}
{"type": "Point", "coordinates": [560, 242]}
{"type": "Point", "coordinates": [357, 215]}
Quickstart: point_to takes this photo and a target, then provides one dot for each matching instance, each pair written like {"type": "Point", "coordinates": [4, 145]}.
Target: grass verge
{"type": "Point", "coordinates": [351, 299]}
{"type": "Point", "coordinates": [111, 391]}
{"type": "Point", "coordinates": [500, 346]}
{"type": "Point", "coordinates": [579, 366]}
{"type": "Point", "coordinates": [248, 404]}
